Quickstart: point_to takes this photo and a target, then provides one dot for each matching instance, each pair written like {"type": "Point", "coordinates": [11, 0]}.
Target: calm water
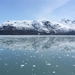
{"type": "Point", "coordinates": [37, 55]}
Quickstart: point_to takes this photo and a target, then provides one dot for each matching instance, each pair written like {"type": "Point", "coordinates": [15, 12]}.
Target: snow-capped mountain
{"type": "Point", "coordinates": [41, 27]}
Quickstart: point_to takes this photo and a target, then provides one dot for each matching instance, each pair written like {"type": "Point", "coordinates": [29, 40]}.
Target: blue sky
{"type": "Point", "coordinates": [36, 9]}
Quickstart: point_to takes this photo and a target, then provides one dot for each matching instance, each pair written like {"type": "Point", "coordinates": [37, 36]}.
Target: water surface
{"type": "Point", "coordinates": [37, 55]}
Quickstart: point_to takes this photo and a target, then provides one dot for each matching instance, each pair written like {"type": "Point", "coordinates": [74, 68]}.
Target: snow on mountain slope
{"type": "Point", "coordinates": [68, 23]}
{"type": "Point", "coordinates": [65, 25]}
{"type": "Point", "coordinates": [19, 24]}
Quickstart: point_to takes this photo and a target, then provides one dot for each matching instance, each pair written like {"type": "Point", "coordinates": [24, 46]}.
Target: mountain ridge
{"type": "Point", "coordinates": [38, 27]}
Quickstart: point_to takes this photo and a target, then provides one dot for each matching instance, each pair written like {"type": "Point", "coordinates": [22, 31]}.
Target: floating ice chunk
{"type": "Point", "coordinates": [22, 61]}
{"type": "Point", "coordinates": [6, 58]}
{"type": "Point", "coordinates": [32, 69]}
{"type": "Point", "coordinates": [68, 55]}
{"type": "Point", "coordinates": [74, 65]}
{"type": "Point", "coordinates": [59, 57]}
{"type": "Point", "coordinates": [34, 65]}
{"type": "Point", "coordinates": [56, 65]}
{"type": "Point", "coordinates": [1, 49]}
{"type": "Point", "coordinates": [22, 65]}
{"type": "Point", "coordinates": [16, 63]}
{"type": "Point", "coordinates": [45, 61]}
{"type": "Point", "coordinates": [37, 51]}
{"type": "Point", "coordinates": [30, 56]}
{"type": "Point", "coordinates": [48, 64]}
{"type": "Point", "coordinates": [5, 64]}
{"type": "Point", "coordinates": [43, 72]}
{"type": "Point", "coordinates": [53, 57]}
{"type": "Point", "coordinates": [73, 56]}
{"type": "Point", "coordinates": [53, 71]}
{"type": "Point", "coordinates": [34, 56]}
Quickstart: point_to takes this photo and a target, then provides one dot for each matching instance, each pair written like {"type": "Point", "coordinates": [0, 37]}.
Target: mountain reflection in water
{"type": "Point", "coordinates": [29, 55]}
{"type": "Point", "coordinates": [38, 43]}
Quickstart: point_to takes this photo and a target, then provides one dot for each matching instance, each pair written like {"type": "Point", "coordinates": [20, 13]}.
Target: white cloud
{"type": "Point", "coordinates": [48, 6]}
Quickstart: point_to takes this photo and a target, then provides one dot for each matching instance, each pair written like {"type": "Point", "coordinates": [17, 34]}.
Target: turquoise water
{"type": "Point", "coordinates": [37, 55]}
